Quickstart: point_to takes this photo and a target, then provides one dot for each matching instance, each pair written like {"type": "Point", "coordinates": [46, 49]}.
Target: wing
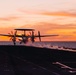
{"type": "Point", "coordinates": [36, 36]}
{"type": "Point", "coordinates": [45, 35]}
{"type": "Point", "coordinates": [6, 35]}
{"type": "Point", "coordinates": [27, 36]}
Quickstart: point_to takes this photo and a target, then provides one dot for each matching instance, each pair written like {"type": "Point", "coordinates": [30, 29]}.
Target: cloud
{"type": "Point", "coordinates": [26, 11]}
{"type": "Point", "coordinates": [48, 13]}
{"type": "Point", "coordinates": [65, 32]}
{"type": "Point", "coordinates": [46, 27]}
{"type": "Point", "coordinates": [74, 32]}
{"type": "Point", "coordinates": [61, 13]}
{"type": "Point", "coordinates": [8, 18]}
{"type": "Point", "coordinates": [6, 30]}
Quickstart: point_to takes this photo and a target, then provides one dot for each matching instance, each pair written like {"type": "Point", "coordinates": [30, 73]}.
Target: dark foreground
{"type": "Point", "coordinates": [22, 60]}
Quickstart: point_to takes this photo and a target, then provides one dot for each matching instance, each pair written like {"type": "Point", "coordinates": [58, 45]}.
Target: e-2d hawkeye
{"type": "Point", "coordinates": [23, 38]}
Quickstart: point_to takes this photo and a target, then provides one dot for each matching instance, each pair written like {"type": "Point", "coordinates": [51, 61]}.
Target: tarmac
{"type": "Point", "coordinates": [15, 61]}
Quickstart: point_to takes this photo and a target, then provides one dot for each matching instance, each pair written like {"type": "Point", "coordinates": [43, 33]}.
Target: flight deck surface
{"type": "Point", "coordinates": [22, 60]}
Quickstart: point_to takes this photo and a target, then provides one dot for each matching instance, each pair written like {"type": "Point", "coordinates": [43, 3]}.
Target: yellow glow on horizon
{"type": "Point", "coordinates": [4, 38]}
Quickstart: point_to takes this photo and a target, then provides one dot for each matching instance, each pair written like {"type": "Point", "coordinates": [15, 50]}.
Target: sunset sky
{"type": "Point", "coordinates": [47, 16]}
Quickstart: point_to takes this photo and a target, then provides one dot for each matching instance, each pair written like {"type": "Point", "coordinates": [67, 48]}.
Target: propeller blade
{"type": "Point", "coordinates": [14, 37]}
{"type": "Point", "coordinates": [29, 33]}
{"type": "Point", "coordinates": [15, 33]}
{"type": "Point", "coordinates": [9, 33]}
{"type": "Point", "coordinates": [12, 32]}
{"type": "Point", "coordinates": [11, 38]}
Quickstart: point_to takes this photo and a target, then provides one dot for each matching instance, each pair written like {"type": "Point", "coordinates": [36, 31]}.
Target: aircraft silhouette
{"type": "Point", "coordinates": [23, 37]}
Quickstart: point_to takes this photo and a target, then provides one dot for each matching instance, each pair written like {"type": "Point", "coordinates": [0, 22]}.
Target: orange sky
{"type": "Point", "coordinates": [49, 17]}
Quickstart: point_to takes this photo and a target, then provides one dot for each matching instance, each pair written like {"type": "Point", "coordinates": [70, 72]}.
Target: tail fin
{"type": "Point", "coordinates": [39, 36]}
{"type": "Point", "coordinates": [33, 38]}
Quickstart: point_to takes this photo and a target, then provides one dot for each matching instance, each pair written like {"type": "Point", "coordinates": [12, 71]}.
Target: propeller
{"type": "Point", "coordinates": [32, 36]}
{"type": "Point", "coordinates": [39, 35]}
{"type": "Point", "coordinates": [13, 36]}
{"type": "Point", "coordinates": [23, 39]}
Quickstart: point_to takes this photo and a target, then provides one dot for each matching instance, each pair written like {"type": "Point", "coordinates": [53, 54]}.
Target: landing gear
{"type": "Point", "coordinates": [14, 41]}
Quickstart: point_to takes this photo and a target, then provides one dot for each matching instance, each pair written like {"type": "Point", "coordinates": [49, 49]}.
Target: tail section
{"type": "Point", "coordinates": [33, 38]}
{"type": "Point", "coordinates": [39, 36]}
